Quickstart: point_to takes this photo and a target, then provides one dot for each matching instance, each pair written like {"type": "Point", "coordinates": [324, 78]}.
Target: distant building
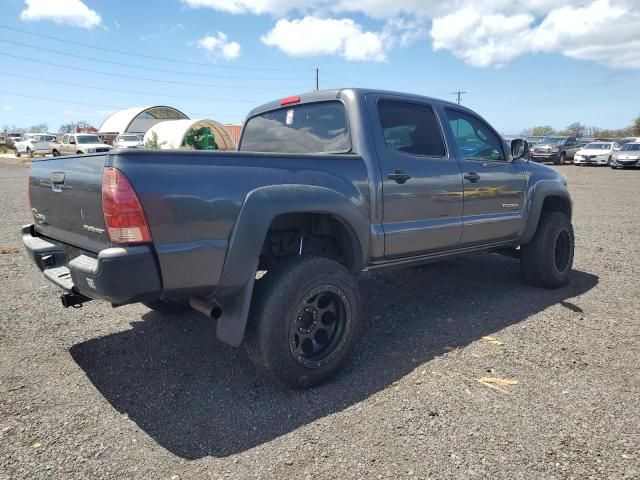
{"type": "Point", "coordinates": [234, 131]}
{"type": "Point", "coordinates": [137, 120]}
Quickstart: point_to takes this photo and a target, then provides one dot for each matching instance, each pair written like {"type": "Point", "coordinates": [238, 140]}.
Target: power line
{"type": "Point", "coordinates": [149, 57]}
{"type": "Point", "coordinates": [132, 92]}
{"type": "Point", "coordinates": [459, 93]}
{"type": "Point", "coordinates": [338, 77]}
{"type": "Point", "coordinates": [147, 79]}
{"type": "Point", "coordinates": [140, 67]}
{"type": "Point", "coordinates": [49, 99]}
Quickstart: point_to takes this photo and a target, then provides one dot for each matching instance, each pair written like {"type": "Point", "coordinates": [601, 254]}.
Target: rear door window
{"type": "Point", "coordinates": [308, 128]}
{"type": "Point", "coordinates": [411, 128]}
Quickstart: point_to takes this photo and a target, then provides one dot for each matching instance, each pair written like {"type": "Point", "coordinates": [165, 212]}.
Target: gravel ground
{"type": "Point", "coordinates": [125, 393]}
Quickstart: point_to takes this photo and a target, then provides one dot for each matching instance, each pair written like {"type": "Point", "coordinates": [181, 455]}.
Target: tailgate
{"type": "Point", "coordinates": [66, 200]}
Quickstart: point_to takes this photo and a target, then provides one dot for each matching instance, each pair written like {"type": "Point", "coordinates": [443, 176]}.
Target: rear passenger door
{"type": "Point", "coordinates": [494, 185]}
{"type": "Point", "coordinates": [421, 181]}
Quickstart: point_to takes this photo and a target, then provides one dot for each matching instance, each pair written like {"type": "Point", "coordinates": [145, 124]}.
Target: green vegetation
{"type": "Point", "coordinates": [580, 130]}
{"type": "Point", "coordinates": [152, 143]}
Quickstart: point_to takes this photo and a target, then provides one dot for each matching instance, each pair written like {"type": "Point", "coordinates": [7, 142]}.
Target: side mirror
{"type": "Point", "coordinates": [519, 148]}
{"type": "Point", "coordinates": [71, 142]}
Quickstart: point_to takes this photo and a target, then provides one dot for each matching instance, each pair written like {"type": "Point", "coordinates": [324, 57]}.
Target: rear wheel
{"type": "Point", "coordinates": [16, 152]}
{"type": "Point", "coordinates": [56, 153]}
{"type": "Point", "coordinates": [169, 307]}
{"type": "Point", "coordinates": [547, 259]}
{"type": "Point", "coordinates": [30, 153]}
{"type": "Point", "coordinates": [304, 320]}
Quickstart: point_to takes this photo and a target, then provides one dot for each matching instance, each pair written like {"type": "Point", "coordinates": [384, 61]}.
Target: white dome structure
{"type": "Point", "coordinates": [171, 133]}
{"type": "Point", "coordinates": [138, 119]}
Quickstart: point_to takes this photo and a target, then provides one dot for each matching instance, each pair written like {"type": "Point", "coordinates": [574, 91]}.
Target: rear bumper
{"type": "Point", "coordinates": [118, 275]}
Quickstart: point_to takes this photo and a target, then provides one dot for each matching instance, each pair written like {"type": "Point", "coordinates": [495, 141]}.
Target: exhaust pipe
{"type": "Point", "coordinates": [73, 300]}
{"type": "Point", "coordinates": [211, 310]}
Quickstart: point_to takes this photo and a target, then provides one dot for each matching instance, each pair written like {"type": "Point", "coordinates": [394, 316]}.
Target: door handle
{"type": "Point", "coordinates": [473, 177]}
{"type": "Point", "coordinates": [399, 177]}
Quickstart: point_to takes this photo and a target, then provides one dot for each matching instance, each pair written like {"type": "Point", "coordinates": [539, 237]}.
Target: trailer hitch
{"type": "Point", "coordinates": [73, 300]}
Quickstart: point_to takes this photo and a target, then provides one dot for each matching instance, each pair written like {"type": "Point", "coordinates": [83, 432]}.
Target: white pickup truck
{"type": "Point", "coordinates": [79, 144]}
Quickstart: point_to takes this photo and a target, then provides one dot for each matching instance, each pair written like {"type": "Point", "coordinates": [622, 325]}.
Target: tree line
{"type": "Point", "coordinates": [577, 129]}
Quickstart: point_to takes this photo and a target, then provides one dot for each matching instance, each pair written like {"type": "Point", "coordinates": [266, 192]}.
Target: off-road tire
{"type": "Point", "coordinates": [168, 307]}
{"type": "Point", "coordinates": [547, 259]}
{"type": "Point", "coordinates": [279, 299]}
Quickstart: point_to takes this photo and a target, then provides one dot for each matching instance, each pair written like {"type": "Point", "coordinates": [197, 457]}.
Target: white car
{"type": "Point", "coordinates": [628, 156]}
{"type": "Point", "coordinates": [128, 141]}
{"type": "Point", "coordinates": [596, 153]}
{"type": "Point", "coordinates": [33, 144]}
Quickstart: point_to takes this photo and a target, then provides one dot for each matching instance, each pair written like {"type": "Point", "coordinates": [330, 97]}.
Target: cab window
{"type": "Point", "coordinates": [411, 128]}
{"type": "Point", "coordinates": [474, 138]}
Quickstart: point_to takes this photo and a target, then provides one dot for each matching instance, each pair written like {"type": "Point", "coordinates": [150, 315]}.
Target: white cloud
{"type": "Point", "coordinates": [64, 12]}
{"type": "Point", "coordinates": [483, 33]}
{"type": "Point", "coordinates": [318, 36]}
{"type": "Point", "coordinates": [7, 108]}
{"type": "Point", "coordinates": [604, 31]}
{"type": "Point", "coordinates": [219, 46]}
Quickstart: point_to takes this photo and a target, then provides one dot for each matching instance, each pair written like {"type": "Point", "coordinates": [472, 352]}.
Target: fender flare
{"type": "Point", "coordinates": [542, 190]}
{"type": "Point", "coordinates": [261, 206]}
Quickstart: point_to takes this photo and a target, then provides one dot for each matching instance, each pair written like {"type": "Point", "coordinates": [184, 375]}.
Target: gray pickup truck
{"type": "Point", "coordinates": [269, 240]}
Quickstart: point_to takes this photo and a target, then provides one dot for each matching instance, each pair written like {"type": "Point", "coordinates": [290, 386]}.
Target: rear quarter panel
{"type": "Point", "coordinates": [192, 201]}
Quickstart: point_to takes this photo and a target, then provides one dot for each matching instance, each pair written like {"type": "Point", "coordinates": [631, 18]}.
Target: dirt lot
{"type": "Point", "coordinates": [124, 393]}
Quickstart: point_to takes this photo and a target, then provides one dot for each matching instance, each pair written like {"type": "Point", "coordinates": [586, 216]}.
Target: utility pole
{"type": "Point", "coordinates": [317, 79]}
{"type": "Point", "coordinates": [459, 93]}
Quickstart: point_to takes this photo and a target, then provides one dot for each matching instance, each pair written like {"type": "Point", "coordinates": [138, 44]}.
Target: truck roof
{"type": "Point", "coordinates": [335, 93]}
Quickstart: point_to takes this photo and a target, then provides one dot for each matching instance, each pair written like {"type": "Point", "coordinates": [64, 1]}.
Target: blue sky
{"type": "Point", "coordinates": [522, 62]}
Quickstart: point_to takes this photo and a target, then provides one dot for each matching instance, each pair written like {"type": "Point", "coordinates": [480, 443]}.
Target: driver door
{"type": "Point", "coordinates": [494, 185]}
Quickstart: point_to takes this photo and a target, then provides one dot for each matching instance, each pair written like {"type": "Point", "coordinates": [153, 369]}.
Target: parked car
{"type": "Point", "coordinates": [79, 144]}
{"type": "Point", "coordinates": [128, 141]}
{"type": "Point", "coordinates": [534, 140]}
{"type": "Point", "coordinates": [596, 153]}
{"type": "Point", "coordinates": [324, 185]}
{"type": "Point", "coordinates": [627, 156]}
{"type": "Point", "coordinates": [555, 149]}
{"type": "Point", "coordinates": [624, 141]}
{"type": "Point", "coordinates": [33, 144]}
{"type": "Point", "coordinates": [12, 138]}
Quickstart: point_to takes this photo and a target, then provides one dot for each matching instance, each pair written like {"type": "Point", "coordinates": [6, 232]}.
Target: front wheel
{"type": "Point", "coordinates": [16, 152]}
{"type": "Point", "coordinates": [56, 153]}
{"type": "Point", "coordinates": [561, 158]}
{"type": "Point", "coordinates": [30, 153]}
{"type": "Point", "coordinates": [304, 321]}
{"type": "Point", "coordinates": [547, 259]}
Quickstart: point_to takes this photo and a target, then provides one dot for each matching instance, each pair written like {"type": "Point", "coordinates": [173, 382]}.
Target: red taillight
{"type": "Point", "coordinates": [123, 213]}
{"type": "Point", "coordinates": [289, 100]}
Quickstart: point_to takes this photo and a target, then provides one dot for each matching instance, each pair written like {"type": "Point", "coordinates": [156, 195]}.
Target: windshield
{"type": "Point", "coordinates": [598, 146]}
{"type": "Point", "coordinates": [631, 146]}
{"type": "Point", "coordinates": [553, 140]}
{"type": "Point", "coordinates": [88, 139]}
{"type": "Point", "coordinates": [311, 128]}
{"type": "Point", "coordinates": [128, 138]}
{"type": "Point", "coordinates": [533, 139]}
